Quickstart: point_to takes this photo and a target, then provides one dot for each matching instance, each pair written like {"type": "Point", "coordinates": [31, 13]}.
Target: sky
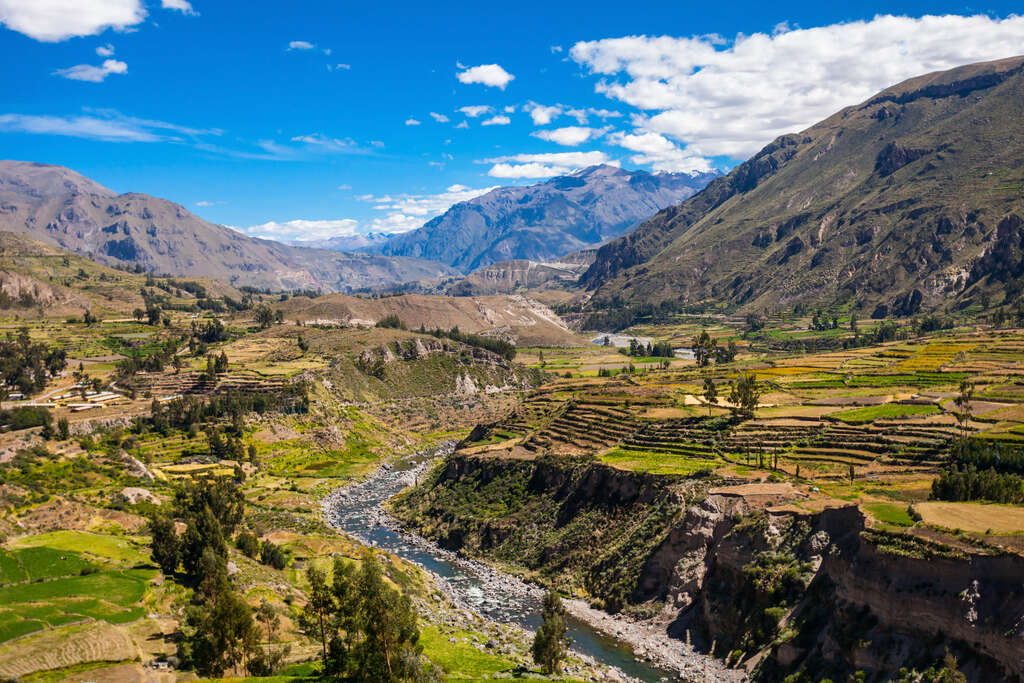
{"type": "Point", "coordinates": [309, 119]}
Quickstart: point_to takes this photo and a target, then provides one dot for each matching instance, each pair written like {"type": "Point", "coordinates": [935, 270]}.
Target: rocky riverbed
{"type": "Point", "coordinates": [502, 606]}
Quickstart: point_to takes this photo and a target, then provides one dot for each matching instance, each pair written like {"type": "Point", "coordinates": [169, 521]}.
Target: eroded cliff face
{"type": "Point", "coordinates": [774, 590]}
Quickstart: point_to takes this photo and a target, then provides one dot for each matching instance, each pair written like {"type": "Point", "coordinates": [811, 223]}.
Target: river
{"type": "Point", "coordinates": [356, 510]}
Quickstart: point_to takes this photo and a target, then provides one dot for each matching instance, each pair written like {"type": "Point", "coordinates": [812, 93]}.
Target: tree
{"type": "Point", "coordinates": [550, 644]}
{"type": "Point", "coordinates": [165, 545]}
{"type": "Point", "coordinates": [754, 322]}
{"type": "Point", "coordinates": [303, 344]}
{"type": "Point", "coordinates": [139, 314]}
{"type": "Point", "coordinates": [963, 404]}
{"type": "Point", "coordinates": [273, 555]}
{"type": "Point", "coordinates": [702, 348]}
{"type": "Point", "coordinates": [269, 660]}
{"type": "Point", "coordinates": [248, 543]}
{"type": "Point", "coordinates": [223, 634]}
{"type": "Point", "coordinates": [319, 610]}
{"type": "Point", "coordinates": [220, 366]}
{"type": "Point", "coordinates": [710, 393]}
{"type": "Point", "coordinates": [744, 394]}
{"type": "Point", "coordinates": [264, 316]}
{"type": "Point", "coordinates": [89, 318]}
{"type": "Point", "coordinates": [63, 429]}
{"type": "Point", "coordinates": [390, 633]}
{"type": "Point", "coordinates": [153, 314]}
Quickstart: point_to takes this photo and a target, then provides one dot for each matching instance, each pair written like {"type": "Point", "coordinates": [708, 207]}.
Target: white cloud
{"type": "Point", "coordinates": [344, 187]}
{"type": "Point", "coordinates": [406, 212]}
{"type": "Point", "coordinates": [544, 165]}
{"type": "Point", "coordinates": [105, 50]}
{"type": "Point", "coordinates": [303, 230]}
{"type": "Point", "coordinates": [440, 118]}
{"type": "Point", "coordinates": [204, 203]}
{"type": "Point", "coordinates": [542, 115]}
{"type": "Point", "coordinates": [731, 97]}
{"type": "Point", "coordinates": [499, 120]}
{"type": "Point", "coordinates": [411, 122]}
{"type": "Point", "coordinates": [462, 124]}
{"type": "Point", "coordinates": [509, 109]}
{"type": "Point", "coordinates": [300, 45]}
{"type": "Point", "coordinates": [181, 5]}
{"type": "Point", "coordinates": [52, 21]}
{"type": "Point", "coordinates": [339, 67]}
{"type": "Point", "coordinates": [107, 126]}
{"type": "Point", "coordinates": [327, 144]}
{"type": "Point", "coordinates": [570, 136]}
{"type": "Point", "coordinates": [490, 75]}
{"type": "Point", "coordinates": [93, 74]}
{"type": "Point", "coordinates": [475, 110]}
{"type": "Point", "coordinates": [660, 152]}
{"type": "Point", "coordinates": [88, 127]}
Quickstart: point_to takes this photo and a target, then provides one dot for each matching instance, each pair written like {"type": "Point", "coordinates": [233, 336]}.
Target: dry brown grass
{"type": "Point", "coordinates": [977, 517]}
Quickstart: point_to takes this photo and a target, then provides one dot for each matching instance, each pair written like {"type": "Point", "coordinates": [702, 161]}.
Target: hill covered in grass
{"type": "Point", "coordinates": [909, 201]}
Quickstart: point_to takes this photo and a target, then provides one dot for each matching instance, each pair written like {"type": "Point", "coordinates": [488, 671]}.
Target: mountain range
{"type": "Point", "coordinates": [57, 206]}
{"type": "Point", "coordinates": [912, 200]}
{"type": "Point", "coordinates": [545, 221]}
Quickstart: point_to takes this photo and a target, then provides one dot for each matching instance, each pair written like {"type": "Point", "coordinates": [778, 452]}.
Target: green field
{"type": "Point", "coordinates": [658, 463]}
{"type": "Point", "coordinates": [885, 411]}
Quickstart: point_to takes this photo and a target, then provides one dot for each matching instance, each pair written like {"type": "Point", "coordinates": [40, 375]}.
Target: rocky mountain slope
{"type": "Point", "coordinates": [508, 277]}
{"type": "Point", "coordinates": [515, 318]}
{"type": "Point", "coordinates": [782, 592]}
{"type": "Point", "coordinates": [909, 201]}
{"type": "Point", "coordinates": [543, 222]}
{"type": "Point", "coordinates": [59, 207]}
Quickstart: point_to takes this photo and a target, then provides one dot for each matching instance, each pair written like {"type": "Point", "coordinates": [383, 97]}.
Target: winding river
{"type": "Point", "coordinates": [357, 511]}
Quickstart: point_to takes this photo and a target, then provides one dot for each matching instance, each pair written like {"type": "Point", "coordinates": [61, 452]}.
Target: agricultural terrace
{"type": "Point", "coordinates": [872, 424]}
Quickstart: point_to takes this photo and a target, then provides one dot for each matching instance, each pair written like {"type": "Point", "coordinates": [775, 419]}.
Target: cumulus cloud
{"type": "Point", "coordinates": [462, 124]}
{"type": "Point", "coordinates": [730, 98]}
{"type": "Point", "coordinates": [440, 118]}
{"type": "Point", "coordinates": [542, 115]}
{"type": "Point", "coordinates": [411, 122]}
{"type": "Point", "coordinates": [544, 165]}
{"type": "Point", "coordinates": [490, 75]}
{"type": "Point", "coordinates": [303, 230]}
{"type": "Point", "coordinates": [52, 21]}
{"type": "Point", "coordinates": [301, 45]}
{"type": "Point", "coordinates": [475, 110]}
{"type": "Point", "coordinates": [93, 74]}
{"type": "Point", "coordinates": [660, 152]}
{"type": "Point", "coordinates": [404, 212]}
{"type": "Point", "coordinates": [105, 50]}
{"type": "Point", "coordinates": [570, 136]}
{"type": "Point", "coordinates": [499, 120]}
{"type": "Point", "coordinates": [339, 67]}
{"type": "Point", "coordinates": [180, 5]}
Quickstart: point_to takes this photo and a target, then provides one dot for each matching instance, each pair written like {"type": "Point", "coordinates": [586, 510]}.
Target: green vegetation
{"type": "Point", "coordinates": [550, 644]}
{"type": "Point", "coordinates": [885, 411]}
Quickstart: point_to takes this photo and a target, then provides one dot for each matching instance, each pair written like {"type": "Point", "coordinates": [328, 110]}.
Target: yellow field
{"type": "Point", "coordinates": [977, 517]}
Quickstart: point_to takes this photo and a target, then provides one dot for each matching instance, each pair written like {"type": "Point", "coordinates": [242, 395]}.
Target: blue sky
{"type": "Point", "coordinates": [305, 119]}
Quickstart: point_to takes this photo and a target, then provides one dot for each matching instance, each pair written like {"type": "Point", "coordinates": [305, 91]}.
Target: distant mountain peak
{"type": "Point", "coordinates": [59, 207]}
{"type": "Point", "coordinates": [544, 221]}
